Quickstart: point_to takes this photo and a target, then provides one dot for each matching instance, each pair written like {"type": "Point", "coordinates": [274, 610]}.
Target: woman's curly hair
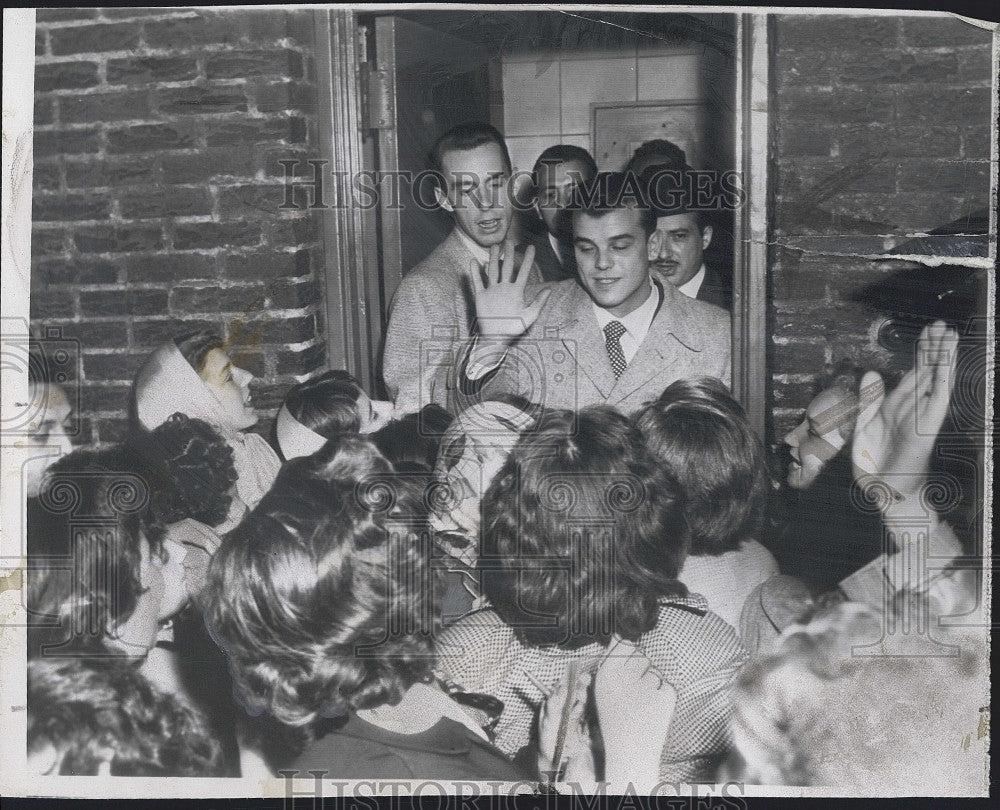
{"type": "Point", "coordinates": [321, 597]}
{"type": "Point", "coordinates": [701, 434]}
{"type": "Point", "coordinates": [200, 468]}
{"type": "Point", "coordinates": [94, 510]}
{"type": "Point", "coordinates": [582, 532]}
{"type": "Point", "coordinates": [90, 709]}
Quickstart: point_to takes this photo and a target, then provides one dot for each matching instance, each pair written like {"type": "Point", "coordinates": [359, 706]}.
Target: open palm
{"type": "Point", "coordinates": [501, 311]}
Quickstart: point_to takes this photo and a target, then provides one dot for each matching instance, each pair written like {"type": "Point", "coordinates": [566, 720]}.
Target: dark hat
{"type": "Point", "coordinates": [672, 189]}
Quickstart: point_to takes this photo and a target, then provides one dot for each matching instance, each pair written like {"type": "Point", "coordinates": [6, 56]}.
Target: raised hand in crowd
{"type": "Point", "coordinates": [895, 433]}
{"type": "Point", "coordinates": [501, 310]}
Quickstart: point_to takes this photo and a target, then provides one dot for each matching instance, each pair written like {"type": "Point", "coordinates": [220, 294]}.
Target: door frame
{"type": "Point", "coordinates": [352, 275]}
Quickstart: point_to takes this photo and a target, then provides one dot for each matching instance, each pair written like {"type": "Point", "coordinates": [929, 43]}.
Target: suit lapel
{"type": "Point", "coordinates": [672, 336]}
{"type": "Point", "coordinates": [583, 339]}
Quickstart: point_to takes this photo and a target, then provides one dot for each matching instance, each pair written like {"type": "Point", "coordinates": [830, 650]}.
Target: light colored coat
{"type": "Point", "coordinates": [562, 361]}
{"type": "Point", "coordinates": [429, 323]}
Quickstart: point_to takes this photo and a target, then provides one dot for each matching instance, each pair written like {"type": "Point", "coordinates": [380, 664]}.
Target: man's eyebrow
{"type": "Point", "coordinates": [621, 236]}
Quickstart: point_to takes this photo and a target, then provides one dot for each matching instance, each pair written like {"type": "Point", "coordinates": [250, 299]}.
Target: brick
{"type": "Point", "coordinates": [151, 138]}
{"type": "Point", "coordinates": [41, 43]}
{"type": "Point", "coordinates": [974, 67]}
{"type": "Point", "coordinates": [102, 107]}
{"type": "Point", "coordinates": [941, 32]}
{"type": "Point", "coordinates": [928, 67]}
{"type": "Point", "coordinates": [52, 303]}
{"type": "Point", "coordinates": [299, 231]}
{"type": "Point", "coordinates": [172, 268]}
{"type": "Point", "coordinates": [151, 69]}
{"type": "Point", "coordinates": [45, 177]}
{"type": "Point", "coordinates": [194, 299]}
{"type": "Point", "coordinates": [94, 39]}
{"type": "Point", "coordinates": [300, 26]}
{"type": "Point", "coordinates": [207, 235]}
{"type": "Point", "coordinates": [65, 76]}
{"type": "Point", "coordinates": [254, 201]}
{"type": "Point", "coordinates": [795, 140]}
{"type": "Point", "coordinates": [202, 166]}
{"type": "Point", "coordinates": [286, 96]}
{"type": "Point", "coordinates": [922, 105]}
{"type": "Point", "coordinates": [287, 330]}
{"type": "Point", "coordinates": [112, 172]}
{"type": "Point", "coordinates": [267, 265]}
{"type": "Point", "coordinates": [267, 25]}
{"type": "Point", "coordinates": [165, 201]}
{"type": "Point", "coordinates": [227, 133]}
{"type": "Point", "coordinates": [115, 302]}
{"type": "Point", "coordinates": [98, 334]}
{"type": "Point", "coordinates": [797, 356]}
{"type": "Point", "coordinates": [245, 299]}
{"type": "Point", "coordinates": [153, 333]}
{"type": "Point", "coordinates": [44, 112]}
{"type": "Point", "coordinates": [802, 32]}
{"type": "Point", "coordinates": [201, 100]}
{"type": "Point", "coordinates": [47, 242]}
{"type": "Point", "coordinates": [50, 208]}
{"type": "Point", "coordinates": [246, 64]}
{"type": "Point", "coordinates": [267, 397]}
{"type": "Point", "coordinates": [47, 15]}
{"type": "Point", "coordinates": [129, 13]}
{"type": "Point", "coordinates": [975, 141]}
{"type": "Point", "coordinates": [248, 360]}
{"type": "Point", "coordinates": [794, 395]}
{"type": "Point", "coordinates": [293, 295]}
{"type": "Point", "coordinates": [961, 178]}
{"type": "Point", "coordinates": [69, 142]}
{"type": "Point", "coordinates": [205, 29]}
{"type": "Point", "coordinates": [923, 141]}
{"type": "Point", "coordinates": [103, 398]}
{"type": "Point", "coordinates": [837, 106]}
{"type": "Point", "coordinates": [117, 366]}
{"type": "Point", "coordinates": [112, 431]}
{"type": "Point", "coordinates": [121, 239]}
{"type": "Point", "coordinates": [300, 361]}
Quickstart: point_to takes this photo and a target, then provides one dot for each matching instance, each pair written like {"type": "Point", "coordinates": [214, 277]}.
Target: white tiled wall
{"type": "Point", "coordinates": [547, 96]}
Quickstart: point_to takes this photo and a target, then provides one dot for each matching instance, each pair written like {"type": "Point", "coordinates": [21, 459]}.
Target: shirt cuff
{"type": "Point", "coordinates": [482, 362]}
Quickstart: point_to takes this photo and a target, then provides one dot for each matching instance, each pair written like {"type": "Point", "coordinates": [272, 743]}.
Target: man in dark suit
{"type": "Point", "coordinates": [431, 311]}
{"type": "Point", "coordinates": [614, 335]}
{"type": "Point", "coordinates": [683, 233]}
{"type": "Point", "coordinates": [558, 171]}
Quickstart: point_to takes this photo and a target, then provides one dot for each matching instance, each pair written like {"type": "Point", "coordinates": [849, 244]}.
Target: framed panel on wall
{"type": "Point", "coordinates": [617, 129]}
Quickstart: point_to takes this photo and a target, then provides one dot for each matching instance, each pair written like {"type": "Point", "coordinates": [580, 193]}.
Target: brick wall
{"type": "Point", "coordinates": [156, 193]}
{"type": "Point", "coordinates": [881, 127]}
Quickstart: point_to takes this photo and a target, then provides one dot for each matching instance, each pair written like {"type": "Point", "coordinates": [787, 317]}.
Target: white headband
{"type": "Point", "coordinates": [294, 438]}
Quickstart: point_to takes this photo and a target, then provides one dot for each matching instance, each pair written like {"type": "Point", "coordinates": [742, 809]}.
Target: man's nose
{"type": "Point", "coordinates": [604, 260]}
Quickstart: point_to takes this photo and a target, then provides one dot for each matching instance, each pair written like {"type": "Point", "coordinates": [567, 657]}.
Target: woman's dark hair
{"type": "Point", "coordinates": [85, 536]}
{"type": "Point", "coordinates": [85, 708]}
{"type": "Point", "coordinates": [195, 346]}
{"type": "Point", "coordinates": [582, 532]}
{"type": "Point", "coordinates": [327, 404]}
{"type": "Point", "coordinates": [200, 469]}
{"type": "Point", "coordinates": [415, 438]}
{"type": "Point", "coordinates": [701, 435]}
{"type": "Point", "coordinates": [321, 597]}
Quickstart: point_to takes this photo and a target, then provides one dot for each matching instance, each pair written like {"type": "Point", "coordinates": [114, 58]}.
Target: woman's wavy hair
{"type": "Point", "coordinates": [86, 709]}
{"type": "Point", "coordinates": [198, 464]}
{"type": "Point", "coordinates": [321, 597]}
{"type": "Point", "coordinates": [85, 536]}
{"type": "Point", "coordinates": [702, 436]}
{"type": "Point", "coordinates": [583, 532]}
{"type": "Point", "coordinates": [327, 404]}
{"type": "Point", "coordinates": [414, 438]}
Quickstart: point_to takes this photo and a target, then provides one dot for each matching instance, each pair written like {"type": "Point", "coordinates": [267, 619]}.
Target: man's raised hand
{"type": "Point", "coordinates": [501, 310]}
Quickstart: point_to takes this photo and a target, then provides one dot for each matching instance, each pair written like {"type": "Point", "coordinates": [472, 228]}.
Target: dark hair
{"type": "Point", "coordinates": [701, 435]}
{"type": "Point", "coordinates": [613, 191]}
{"type": "Point", "coordinates": [564, 153]}
{"type": "Point", "coordinates": [673, 155]}
{"type": "Point", "coordinates": [195, 346]}
{"type": "Point", "coordinates": [200, 469]}
{"type": "Point", "coordinates": [318, 598]}
{"type": "Point", "coordinates": [415, 438]}
{"type": "Point", "coordinates": [84, 708]}
{"type": "Point", "coordinates": [845, 374]}
{"type": "Point", "coordinates": [85, 535]}
{"type": "Point", "coordinates": [327, 404]}
{"type": "Point", "coordinates": [462, 138]}
{"type": "Point", "coordinates": [582, 532]}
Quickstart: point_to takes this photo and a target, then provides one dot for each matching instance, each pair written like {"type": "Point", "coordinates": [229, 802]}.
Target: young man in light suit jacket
{"type": "Point", "coordinates": [431, 312]}
{"type": "Point", "coordinates": [613, 336]}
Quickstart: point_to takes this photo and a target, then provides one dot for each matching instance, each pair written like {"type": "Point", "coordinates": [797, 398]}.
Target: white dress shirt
{"type": "Point", "coordinates": [636, 323]}
{"type": "Point", "coordinates": [692, 285]}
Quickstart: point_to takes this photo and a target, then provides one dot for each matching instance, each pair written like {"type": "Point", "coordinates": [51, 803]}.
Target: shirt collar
{"type": "Point", "coordinates": [637, 322]}
{"type": "Point", "coordinates": [692, 285]}
{"type": "Point", "coordinates": [479, 253]}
